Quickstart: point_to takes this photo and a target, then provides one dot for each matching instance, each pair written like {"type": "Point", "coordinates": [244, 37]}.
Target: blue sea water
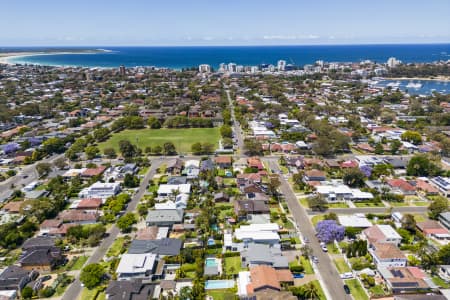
{"type": "Point", "coordinates": [183, 57]}
{"type": "Point", "coordinates": [418, 87]}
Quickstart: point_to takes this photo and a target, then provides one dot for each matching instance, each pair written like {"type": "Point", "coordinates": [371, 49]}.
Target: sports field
{"type": "Point", "coordinates": [181, 138]}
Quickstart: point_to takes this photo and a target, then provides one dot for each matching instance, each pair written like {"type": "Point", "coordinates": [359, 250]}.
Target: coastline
{"type": "Point", "coordinates": [5, 57]}
{"type": "Point", "coordinates": [437, 78]}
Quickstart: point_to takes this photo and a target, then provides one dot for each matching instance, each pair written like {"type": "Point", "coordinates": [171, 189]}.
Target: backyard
{"type": "Point", "coordinates": [232, 265]}
{"type": "Point", "coordinates": [181, 138]}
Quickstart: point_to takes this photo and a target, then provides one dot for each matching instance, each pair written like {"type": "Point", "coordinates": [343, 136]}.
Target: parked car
{"type": "Point", "coordinates": [324, 249]}
{"type": "Point", "coordinates": [315, 259]}
{"type": "Point", "coordinates": [347, 275]}
{"type": "Point", "coordinates": [346, 289]}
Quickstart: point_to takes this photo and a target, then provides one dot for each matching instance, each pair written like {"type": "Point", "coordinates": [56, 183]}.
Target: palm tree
{"type": "Point", "coordinates": [311, 291]}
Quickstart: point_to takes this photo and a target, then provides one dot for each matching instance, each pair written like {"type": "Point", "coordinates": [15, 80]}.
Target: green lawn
{"type": "Point", "coordinates": [79, 262]}
{"type": "Point", "coordinates": [332, 249]}
{"type": "Point", "coordinates": [306, 265]}
{"type": "Point", "coordinates": [356, 289]}
{"type": "Point", "coordinates": [87, 294]}
{"type": "Point", "coordinates": [316, 219]}
{"type": "Point", "coordinates": [440, 282]}
{"type": "Point", "coordinates": [337, 205]}
{"type": "Point", "coordinates": [143, 171]}
{"type": "Point", "coordinates": [369, 204]}
{"type": "Point", "coordinates": [304, 202]}
{"type": "Point", "coordinates": [421, 203]}
{"type": "Point", "coordinates": [377, 291]}
{"type": "Point", "coordinates": [321, 294]}
{"type": "Point", "coordinates": [398, 204]}
{"type": "Point", "coordinates": [232, 265]}
{"type": "Point", "coordinates": [181, 138]}
{"type": "Point", "coordinates": [419, 217]}
{"type": "Point", "coordinates": [116, 248]}
{"type": "Point", "coordinates": [341, 265]}
{"type": "Point", "coordinates": [222, 294]}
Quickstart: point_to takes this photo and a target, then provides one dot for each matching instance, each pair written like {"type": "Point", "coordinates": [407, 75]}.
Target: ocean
{"type": "Point", "coordinates": [184, 57]}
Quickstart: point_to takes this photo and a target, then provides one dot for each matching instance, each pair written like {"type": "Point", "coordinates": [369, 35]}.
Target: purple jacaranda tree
{"type": "Point", "coordinates": [329, 230]}
{"type": "Point", "coordinates": [10, 148]}
{"type": "Point", "coordinates": [366, 170]}
{"type": "Point", "coordinates": [34, 141]}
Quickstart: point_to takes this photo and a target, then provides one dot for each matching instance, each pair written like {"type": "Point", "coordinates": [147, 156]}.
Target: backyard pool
{"type": "Point", "coordinates": [219, 284]}
{"type": "Point", "coordinates": [211, 262]}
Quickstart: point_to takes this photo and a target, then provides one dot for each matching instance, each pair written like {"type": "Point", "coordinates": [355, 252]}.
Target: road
{"type": "Point", "coordinates": [373, 210]}
{"type": "Point", "coordinates": [330, 276]}
{"type": "Point", "coordinates": [27, 175]}
{"type": "Point", "coordinates": [236, 126]}
{"type": "Point", "coordinates": [74, 290]}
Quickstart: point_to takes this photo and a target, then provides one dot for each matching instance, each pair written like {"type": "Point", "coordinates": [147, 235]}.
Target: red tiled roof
{"type": "Point", "coordinates": [401, 184]}
{"type": "Point", "coordinates": [89, 203]}
{"type": "Point", "coordinates": [94, 172]}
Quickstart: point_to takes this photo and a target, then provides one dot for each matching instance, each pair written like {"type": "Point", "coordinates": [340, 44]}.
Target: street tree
{"type": "Point", "coordinates": [92, 275]}
{"type": "Point", "coordinates": [329, 230]}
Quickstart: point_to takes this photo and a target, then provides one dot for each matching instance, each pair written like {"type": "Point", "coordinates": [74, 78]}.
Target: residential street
{"type": "Point", "coordinates": [328, 272]}
{"type": "Point", "coordinates": [74, 290]}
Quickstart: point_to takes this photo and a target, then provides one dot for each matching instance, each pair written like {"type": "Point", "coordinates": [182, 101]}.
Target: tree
{"type": "Point", "coordinates": [273, 184]}
{"type": "Point", "coordinates": [421, 165]}
{"type": "Point", "coordinates": [226, 131]}
{"type": "Point", "coordinates": [101, 134]}
{"type": "Point", "coordinates": [91, 152]}
{"type": "Point", "coordinates": [317, 203]}
{"type": "Point", "coordinates": [438, 206]}
{"type": "Point", "coordinates": [110, 152]}
{"type": "Point", "coordinates": [43, 169]}
{"type": "Point", "coordinates": [443, 255]}
{"type": "Point", "coordinates": [169, 148]}
{"type": "Point", "coordinates": [153, 123]}
{"type": "Point", "coordinates": [196, 148]}
{"type": "Point", "coordinates": [186, 293]}
{"type": "Point", "coordinates": [310, 291]}
{"type": "Point", "coordinates": [157, 150]}
{"type": "Point", "coordinates": [130, 181]}
{"type": "Point", "coordinates": [329, 230]}
{"type": "Point", "coordinates": [409, 223]}
{"type": "Point", "coordinates": [27, 292]}
{"type": "Point", "coordinates": [252, 147]}
{"type": "Point", "coordinates": [60, 163]}
{"type": "Point", "coordinates": [127, 149]}
{"type": "Point", "coordinates": [92, 275]}
{"type": "Point", "coordinates": [379, 149]}
{"type": "Point", "coordinates": [412, 137]}
{"type": "Point", "coordinates": [395, 146]}
{"type": "Point", "coordinates": [126, 222]}
{"type": "Point", "coordinates": [354, 178]}
{"type": "Point", "coordinates": [306, 251]}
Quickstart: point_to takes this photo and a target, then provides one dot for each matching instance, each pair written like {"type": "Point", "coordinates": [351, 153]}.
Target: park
{"type": "Point", "coordinates": [181, 138]}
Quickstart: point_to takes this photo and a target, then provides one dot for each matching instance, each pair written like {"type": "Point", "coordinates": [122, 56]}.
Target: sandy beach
{"type": "Point", "coordinates": [5, 57]}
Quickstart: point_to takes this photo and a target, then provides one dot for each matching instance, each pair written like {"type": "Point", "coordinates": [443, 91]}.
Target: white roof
{"type": "Point", "coordinates": [333, 189]}
{"type": "Point", "coordinates": [354, 221]}
{"type": "Point", "coordinates": [389, 232]}
{"type": "Point", "coordinates": [136, 263]}
{"type": "Point", "coordinates": [358, 194]}
{"type": "Point", "coordinates": [256, 235]}
{"type": "Point", "coordinates": [227, 239]}
{"type": "Point", "coordinates": [192, 163]}
{"type": "Point", "coordinates": [242, 282]}
{"type": "Point", "coordinates": [166, 205]}
{"type": "Point", "coordinates": [74, 172]}
{"type": "Point", "coordinates": [169, 188]}
{"type": "Point", "coordinates": [259, 227]}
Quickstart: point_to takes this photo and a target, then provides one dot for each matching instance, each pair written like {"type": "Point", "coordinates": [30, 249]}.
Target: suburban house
{"type": "Point", "coordinates": [387, 255]}
{"type": "Point", "coordinates": [161, 247]}
{"type": "Point", "coordinates": [166, 190]}
{"type": "Point", "coordinates": [382, 234]}
{"type": "Point", "coordinates": [15, 278]}
{"type": "Point", "coordinates": [400, 186]}
{"type": "Point", "coordinates": [164, 217]}
{"type": "Point", "coordinates": [43, 259]}
{"type": "Point", "coordinates": [262, 254]}
{"type": "Point", "coordinates": [129, 290]}
{"type": "Point", "coordinates": [244, 207]}
{"type": "Point", "coordinates": [262, 278]}
{"type": "Point", "coordinates": [101, 190]}
{"type": "Point", "coordinates": [191, 168]}
{"type": "Point", "coordinates": [136, 266]}
{"type": "Point", "coordinates": [404, 279]}
{"type": "Point", "coordinates": [221, 197]}
{"type": "Point", "coordinates": [223, 161]}
{"type": "Point", "coordinates": [87, 205]}
{"type": "Point", "coordinates": [340, 192]}
{"type": "Point", "coordinates": [174, 166]}
{"type": "Point", "coordinates": [78, 217]}
{"type": "Point", "coordinates": [444, 272]}
{"type": "Point", "coordinates": [314, 175]}
{"type": "Point", "coordinates": [443, 184]}
{"type": "Point", "coordinates": [433, 229]}
{"type": "Point", "coordinates": [258, 233]}
{"type": "Point", "coordinates": [444, 218]}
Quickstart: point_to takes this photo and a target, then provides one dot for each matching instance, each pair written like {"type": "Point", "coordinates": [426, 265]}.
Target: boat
{"type": "Point", "coordinates": [414, 85]}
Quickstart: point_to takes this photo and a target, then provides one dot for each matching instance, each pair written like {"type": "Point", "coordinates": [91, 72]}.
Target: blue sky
{"type": "Point", "coordinates": [222, 22]}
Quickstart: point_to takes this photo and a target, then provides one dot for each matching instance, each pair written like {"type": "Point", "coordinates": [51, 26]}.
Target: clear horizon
{"type": "Point", "coordinates": [215, 23]}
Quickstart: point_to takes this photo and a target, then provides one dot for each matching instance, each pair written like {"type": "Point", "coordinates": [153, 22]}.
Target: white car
{"type": "Point", "coordinates": [347, 275]}
{"type": "Point", "coordinates": [324, 249]}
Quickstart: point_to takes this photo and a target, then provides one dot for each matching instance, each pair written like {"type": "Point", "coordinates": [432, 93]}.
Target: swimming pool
{"type": "Point", "coordinates": [219, 284]}
{"type": "Point", "coordinates": [211, 262]}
